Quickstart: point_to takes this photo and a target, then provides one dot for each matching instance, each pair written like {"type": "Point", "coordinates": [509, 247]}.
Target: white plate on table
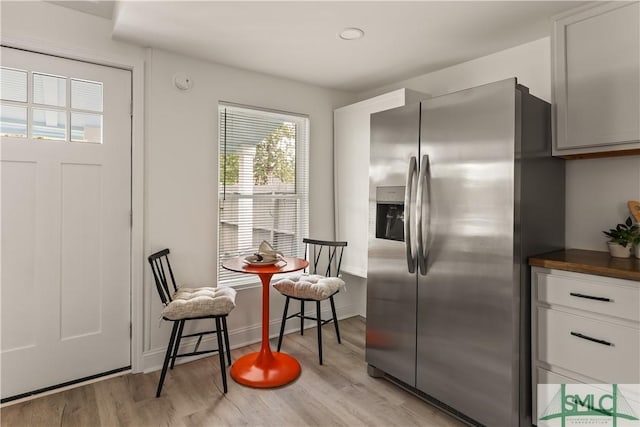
{"type": "Point", "coordinates": [250, 260]}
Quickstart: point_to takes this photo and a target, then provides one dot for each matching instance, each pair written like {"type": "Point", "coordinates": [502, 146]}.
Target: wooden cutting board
{"type": "Point", "coordinates": [634, 208]}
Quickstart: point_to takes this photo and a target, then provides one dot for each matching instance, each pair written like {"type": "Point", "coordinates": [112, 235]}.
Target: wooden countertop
{"type": "Point", "coordinates": [590, 262]}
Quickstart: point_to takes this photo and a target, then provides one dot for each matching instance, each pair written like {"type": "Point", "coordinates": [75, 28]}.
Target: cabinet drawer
{"type": "Point", "coordinates": [590, 347]}
{"type": "Point", "coordinates": [602, 297]}
{"type": "Point", "coordinates": [548, 377]}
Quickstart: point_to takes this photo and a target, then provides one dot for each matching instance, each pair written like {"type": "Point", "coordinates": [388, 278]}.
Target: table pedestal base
{"type": "Point", "coordinates": [265, 369]}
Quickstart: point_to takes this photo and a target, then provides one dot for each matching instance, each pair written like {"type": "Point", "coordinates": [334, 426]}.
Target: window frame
{"type": "Point", "coordinates": [31, 106]}
{"type": "Point", "coordinates": [301, 194]}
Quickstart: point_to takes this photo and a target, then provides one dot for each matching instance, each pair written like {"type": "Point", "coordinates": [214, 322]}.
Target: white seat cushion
{"type": "Point", "coordinates": [309, 286]}
{"type": "Point", "coordinates": [198, 302]}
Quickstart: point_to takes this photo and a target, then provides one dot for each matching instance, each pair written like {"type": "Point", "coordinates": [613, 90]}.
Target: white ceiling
{"type": "Point", "coordinates": [299, 40]}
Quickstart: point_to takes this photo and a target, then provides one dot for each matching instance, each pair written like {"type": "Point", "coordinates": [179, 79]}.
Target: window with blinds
{"type": "Point", "coordinates": [263, 184]}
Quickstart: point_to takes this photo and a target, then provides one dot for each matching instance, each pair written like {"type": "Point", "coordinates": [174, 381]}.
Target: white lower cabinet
{"type": "Point", "coordinates": [607, 351]}
{"type": "Point", "coordinates": [584, 329]}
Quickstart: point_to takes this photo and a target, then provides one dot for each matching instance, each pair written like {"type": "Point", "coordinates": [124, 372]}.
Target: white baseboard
{"type": "Point", "coordinates": [152, 360]}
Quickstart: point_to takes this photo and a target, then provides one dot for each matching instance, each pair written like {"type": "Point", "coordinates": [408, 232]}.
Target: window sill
{"type": "Point", "coordinates": [244, 286]}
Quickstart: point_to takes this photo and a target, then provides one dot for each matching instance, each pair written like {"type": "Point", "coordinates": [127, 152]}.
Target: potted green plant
{"type": "Point", "coordinates": [623, 238]}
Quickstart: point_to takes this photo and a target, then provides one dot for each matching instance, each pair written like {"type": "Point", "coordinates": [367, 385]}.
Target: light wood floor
{"type": "Point", "coordinates": [338, 393]}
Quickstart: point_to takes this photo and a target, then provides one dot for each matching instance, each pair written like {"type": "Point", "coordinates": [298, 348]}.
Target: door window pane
{"type": "Point", "coordinates": [13, 121]}
{"type": "Point", "coordinates": [86, 95]}
{"type": "Point", "coordinates": [86, 127]}
{"type": "Point", "coordinates": [49, 90]}
{"type": "Point", "coordinates": [49, 124]}
{"type": "Point", "coordinates": [13, 85]}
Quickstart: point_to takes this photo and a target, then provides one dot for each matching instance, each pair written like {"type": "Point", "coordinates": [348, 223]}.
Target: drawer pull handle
{"type": "Point", "coordinates": [585, 337]}
{"type": "Point", "coordinates": [575, 294]}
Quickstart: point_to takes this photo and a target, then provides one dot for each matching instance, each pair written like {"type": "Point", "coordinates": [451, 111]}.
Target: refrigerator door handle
{"type": "Point", "coordinates": [423, 208]}
{"type": "Point", "coordinates": [408, 216]}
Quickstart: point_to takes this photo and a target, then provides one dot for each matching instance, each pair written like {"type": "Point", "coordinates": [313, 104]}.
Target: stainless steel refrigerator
{"type": "Point", "coordinates": [462, 190]}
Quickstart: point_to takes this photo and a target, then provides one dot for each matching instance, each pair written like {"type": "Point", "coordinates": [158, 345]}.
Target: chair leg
{"type": "Point", "coordinates": [177, 344]}
{"type": "Point", "coordinates": [221, 353]}
{"type": "Point", "coordinates": [167, 356]}
{"type": "Point", "coordinates": [301, 317]}
{"type": "Point", "coordinates": [284, 321]}
{"type": "Point", "coordinates": [226, 338]}
{"type": "Point", "coordinates": [319, 322]}
{"type": "Point", "coordinates": [335, 318]}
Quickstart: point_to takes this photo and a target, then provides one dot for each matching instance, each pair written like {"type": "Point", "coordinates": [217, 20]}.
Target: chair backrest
{"type": "Point", "coordinates": [324, 254]}
{"type": "Point", "coordinates": [161, 267]}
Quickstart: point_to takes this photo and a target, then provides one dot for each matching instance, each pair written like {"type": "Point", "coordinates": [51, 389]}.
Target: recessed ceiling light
{"type": "Point", "coordinates": [351, 34]}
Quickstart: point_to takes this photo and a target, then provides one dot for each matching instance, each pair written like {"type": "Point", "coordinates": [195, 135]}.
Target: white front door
{"type": "Point", "coordinates": [66, 203]}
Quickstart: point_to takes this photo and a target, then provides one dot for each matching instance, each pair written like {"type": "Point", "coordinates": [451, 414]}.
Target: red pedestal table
{"type": "Point", "coordinates": [265, 368]}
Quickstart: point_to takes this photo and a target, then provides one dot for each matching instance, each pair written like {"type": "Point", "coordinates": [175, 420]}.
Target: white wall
{"type": "Point", "coordinates": [529, 62]}
{"type": "Point", "coordinates": [53, 28]}
{"type": "Point", "coordinates": [597, 189]}
{"type": "Point", "coordinates": [597, 195]}
{"type": "Point", "coordinates": [182, 168]}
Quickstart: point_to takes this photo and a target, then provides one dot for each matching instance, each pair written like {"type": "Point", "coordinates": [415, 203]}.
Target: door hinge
{"type": "Point", "coordinates": [130, 330]}
{"type": "Point", "coordinates": [130, 219]}
{"type": "Point", "coordinates": [131, 108]}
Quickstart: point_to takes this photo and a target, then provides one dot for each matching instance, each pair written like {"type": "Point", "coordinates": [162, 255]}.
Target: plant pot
{"type": "Point", "coordinates": [619, 251]}
{"type": "Point", "coordinates": [636, 250]}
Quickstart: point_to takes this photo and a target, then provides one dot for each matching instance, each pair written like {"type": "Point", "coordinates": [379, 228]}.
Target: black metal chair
{"type": "Point", "coordinates": [182, 304]}
{"type": "Point", "coordinates": [313, 287]}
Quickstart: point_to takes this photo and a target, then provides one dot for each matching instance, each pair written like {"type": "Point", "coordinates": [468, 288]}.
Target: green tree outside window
{"type": "Point", "coordinates": [274, 158]}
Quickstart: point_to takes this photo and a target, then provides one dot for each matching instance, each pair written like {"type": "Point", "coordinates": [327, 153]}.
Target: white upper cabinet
{"type": "Point", "coordinates": [351, 133]}
{"type": "Point", "coordinates": [596, 73]}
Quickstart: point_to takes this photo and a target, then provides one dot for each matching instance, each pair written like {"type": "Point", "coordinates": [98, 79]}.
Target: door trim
{"type": "Point", "coordinates": [135, 64]}
{"type": "Point", "coordinates": [65, 385]}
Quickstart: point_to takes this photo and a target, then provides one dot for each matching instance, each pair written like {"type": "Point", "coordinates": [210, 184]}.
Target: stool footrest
{"type": "Point", "coordinates": [315, 319]}
{"type": "Point", "coordinates": [199, 334]}
{"type": "Point", "coordinates": [195, 353]}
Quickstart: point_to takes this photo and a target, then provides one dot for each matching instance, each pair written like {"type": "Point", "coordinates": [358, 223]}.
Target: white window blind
{"type": "Point", "coordinates": [263, 184]}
